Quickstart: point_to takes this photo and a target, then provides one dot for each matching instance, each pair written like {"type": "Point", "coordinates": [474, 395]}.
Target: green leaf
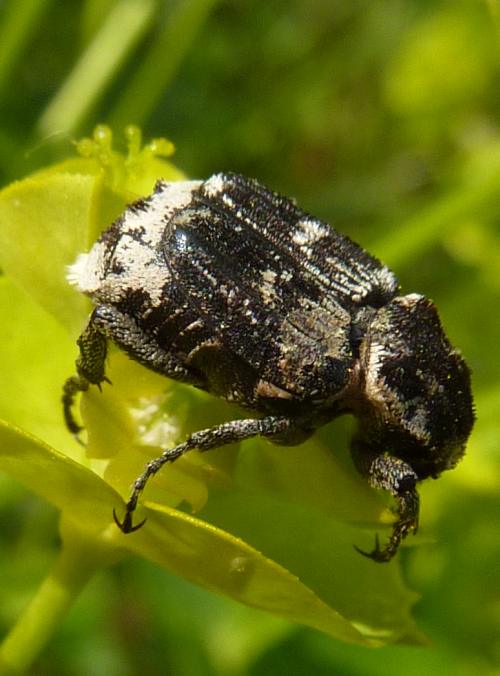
{"type": "Point", "coordinates": [43, 222]}
{"type": "Point", "coordinates": [53, 476]}
{"type": "Point", "coordinates": [216, 559]}
{"type": "Point", "coordinates": [319, 550]}
{"type": "Point", "coordinates": [195, 549]}
{"type": "Point", "coordinates": [37, 355]}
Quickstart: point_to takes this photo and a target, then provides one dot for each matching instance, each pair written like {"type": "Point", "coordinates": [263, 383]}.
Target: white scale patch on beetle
{"type": "Point", "coordinates": [309, 231]}
{"type": "Point", "coordinates": [267, 287]}
{"type": "Point", "coordinates": [214, 185]}
{"type": "Point", "coordinates": [139, 270]}
{"type": "Point", "coordinates": [149, 221]}
{"type": "Point", "coordinates": [135, 254]}
{"type": "Point", "coordinates": [312, 330]}
{"type": "Point", "coordinates": [387, 279]}
{"type": "Point", "coordinates": [383, 398]}
{"type": "Point", "coordinates": [86, 272]}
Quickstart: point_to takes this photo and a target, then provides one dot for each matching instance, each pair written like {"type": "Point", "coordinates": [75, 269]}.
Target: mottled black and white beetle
{"type": "Point", "coordinates": [232, 288]}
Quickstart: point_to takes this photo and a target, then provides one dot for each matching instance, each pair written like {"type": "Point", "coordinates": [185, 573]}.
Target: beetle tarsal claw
{"type": "Point", "coordinates": [77, 437]}
{"type": "Point", "coordinates": [408, 509]}
{"type": "Point", "coordinates": [388, 552]}
{"type": "Point", "coordinates": [126, 524]}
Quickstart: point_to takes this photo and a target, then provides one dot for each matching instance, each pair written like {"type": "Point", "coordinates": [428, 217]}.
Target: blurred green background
{"type": "Point", "coordinates": [382, 118]}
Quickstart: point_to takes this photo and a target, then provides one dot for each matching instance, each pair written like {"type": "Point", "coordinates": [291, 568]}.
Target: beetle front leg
{"type": "Point", "coordinates": [89, 368]}
{"type": "Point", "coordinates": [392, 474]}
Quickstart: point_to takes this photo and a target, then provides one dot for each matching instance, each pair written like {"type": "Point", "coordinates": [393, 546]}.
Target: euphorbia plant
{"type": "Point", "coordinates": [256, 523]}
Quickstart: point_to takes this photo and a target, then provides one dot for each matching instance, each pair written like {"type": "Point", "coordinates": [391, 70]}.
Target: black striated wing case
{"type": "Point", "coordinates": [271, 285]}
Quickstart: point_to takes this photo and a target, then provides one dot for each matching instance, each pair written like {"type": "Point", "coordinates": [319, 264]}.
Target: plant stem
{"type": "Point", "coordinates": [161, 63]}
{"type": "Point", "coordinates": [124, 26]}
{"type": "Point", "coordinates": [41, 618]}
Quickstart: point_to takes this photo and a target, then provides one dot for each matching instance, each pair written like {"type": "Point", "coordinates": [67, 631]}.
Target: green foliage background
{"type": "Point", "coordinates": [381, 117]}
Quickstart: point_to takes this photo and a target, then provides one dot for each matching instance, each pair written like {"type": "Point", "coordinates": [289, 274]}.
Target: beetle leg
{"type": "Point", "coordinates": [203, 440]}
{"type": "Point", "coordinates": [71, 388]}
{"type": "Point", "coordinates": [141, 347]}
{"type": "Point", "coordinates": [108, 323]}
{"type": "Point", "coordinates": [398, 477]}
{"type": "Point", "coordinates": [90, 370]}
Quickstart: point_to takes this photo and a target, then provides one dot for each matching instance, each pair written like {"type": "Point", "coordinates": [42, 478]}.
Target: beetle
{"type": "Point", "coordinates": [232, 288]}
